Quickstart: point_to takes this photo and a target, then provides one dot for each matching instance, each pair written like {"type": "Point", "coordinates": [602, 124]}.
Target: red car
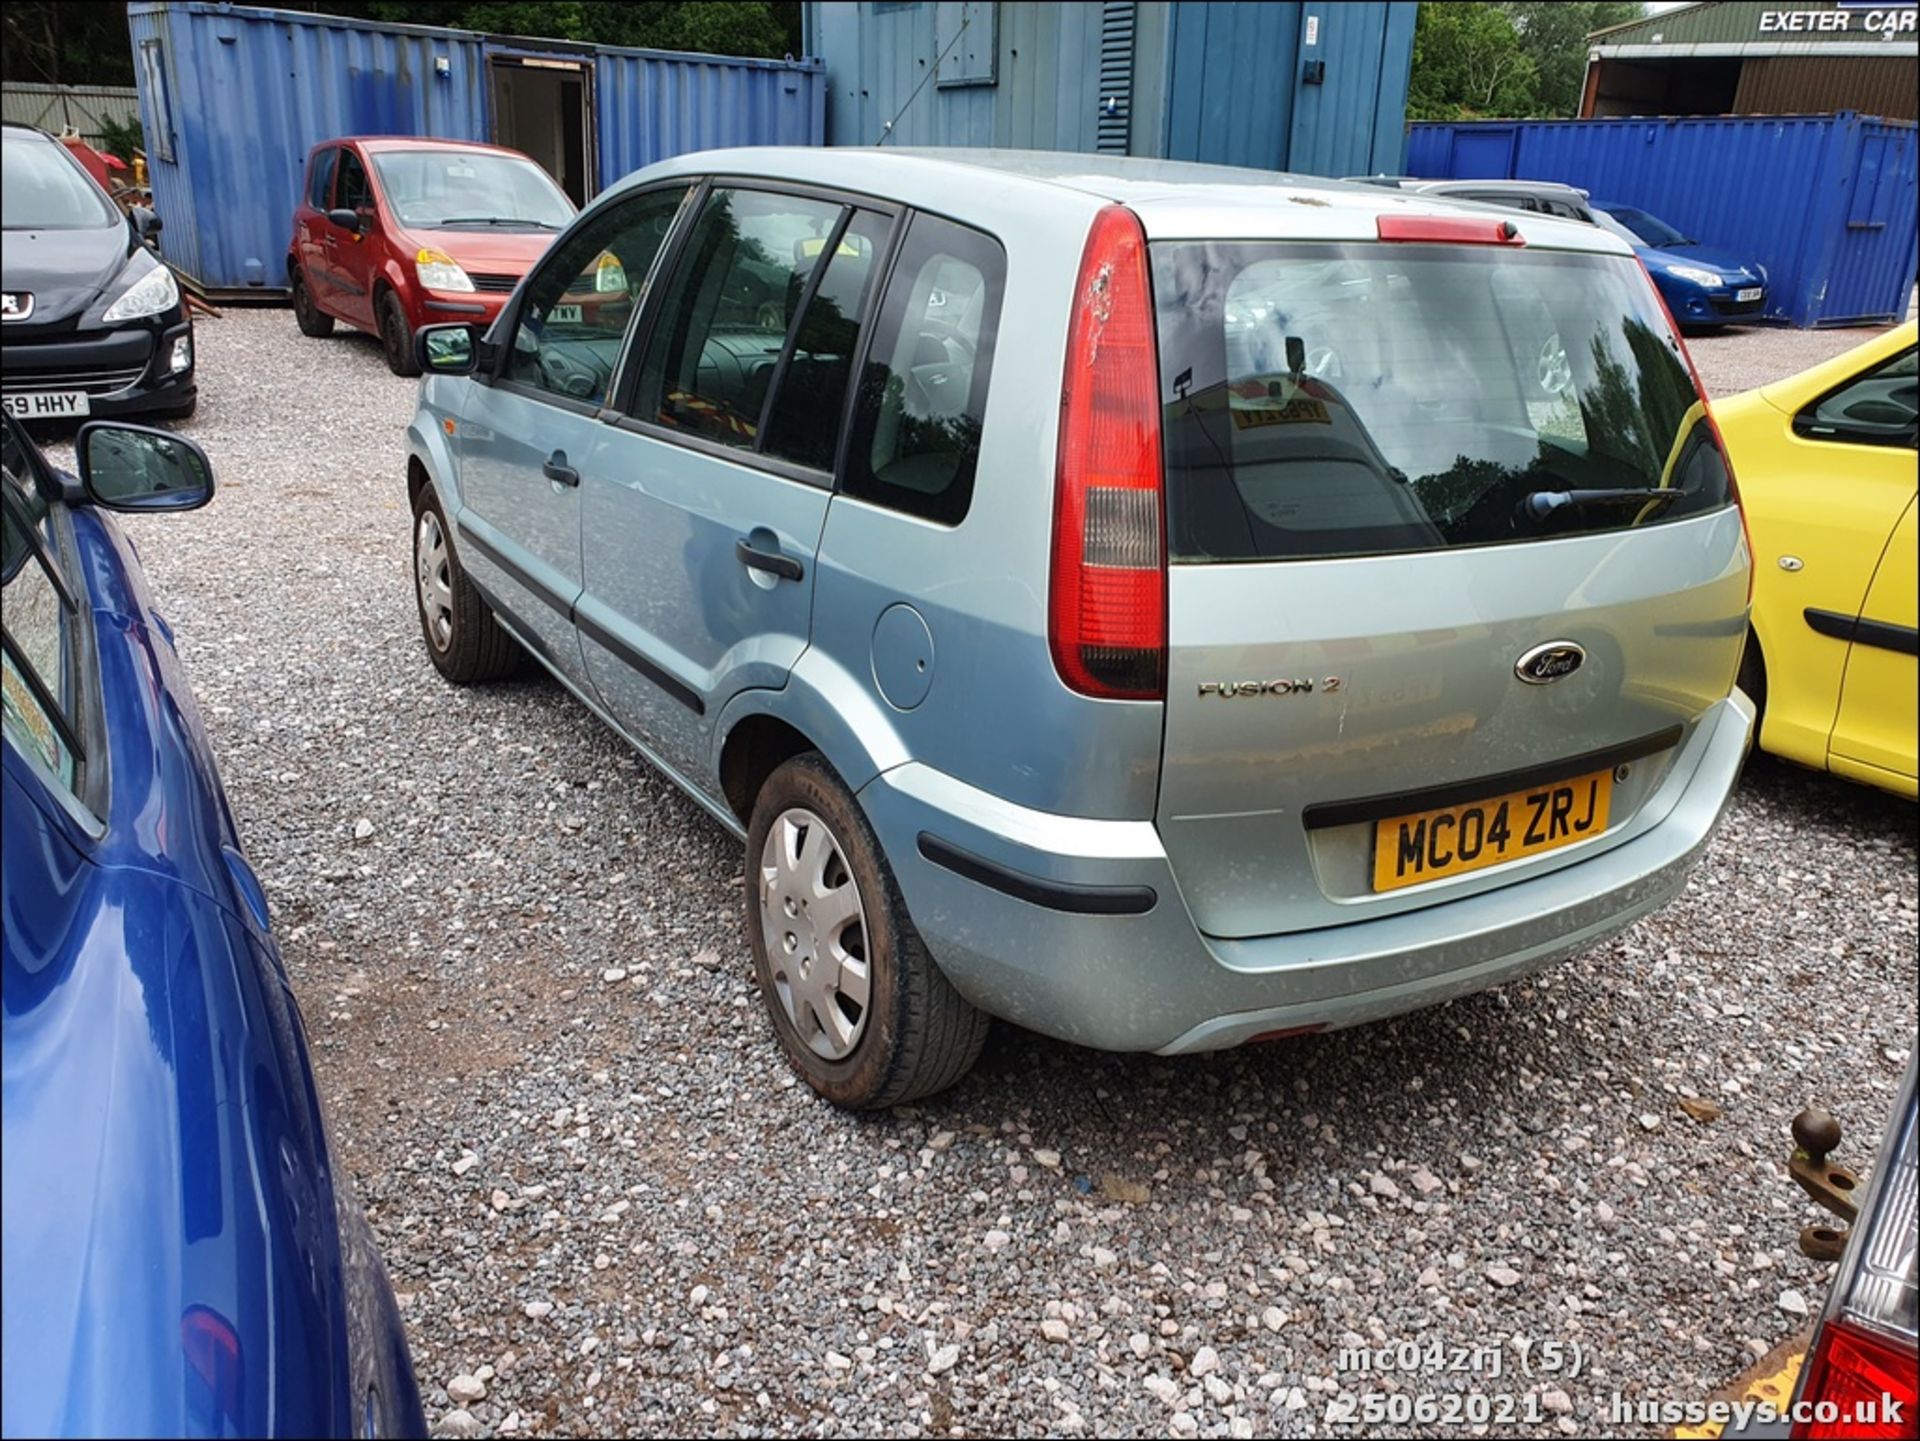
{"type": "Point", "coordinates": [395, 233]}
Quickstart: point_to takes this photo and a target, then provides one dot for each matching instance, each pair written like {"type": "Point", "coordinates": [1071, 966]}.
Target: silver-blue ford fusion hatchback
{"type": "Point", "coordinates": [1162, 606]}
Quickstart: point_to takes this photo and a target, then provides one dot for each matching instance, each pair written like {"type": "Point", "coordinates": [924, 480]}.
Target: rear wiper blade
{"type": "Point", "coordinates": [1543, 503]}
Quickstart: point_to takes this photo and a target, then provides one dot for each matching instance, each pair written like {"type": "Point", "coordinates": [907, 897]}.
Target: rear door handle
{"type": "Point", "coordinates": [557, 470]}
{"type": "Point", "coordinates": [774, 563]}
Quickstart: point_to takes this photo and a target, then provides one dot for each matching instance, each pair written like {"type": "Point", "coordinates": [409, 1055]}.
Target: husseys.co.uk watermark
{"type": "Point", "coordinates": [1888, 1412]}
{"type": "Point", "coordinates": [1558, 1362]}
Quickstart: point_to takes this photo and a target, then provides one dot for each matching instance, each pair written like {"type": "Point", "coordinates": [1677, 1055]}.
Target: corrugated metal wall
{"type": "Point", "coordinates": [233, 98]}
{"type": "Point", "coordinates": [1231, 72]}
{"type": "Point", "coordinates": [1219, 82]}
{"type": "Point", "coordinates": [82, 106]}
{"type": "Point", "coordinates": [249, 92]}
{"type": "Point", "coordinates": [1808, 84]}
{"type": "Point", "coordinates": [1829, 203]}
{"type": "Point", "coordinates": [881, 72]}
{"type": "Point", "coordinates": [653, 105]}
{"type": "Point", "coordinates": [1354, 124]}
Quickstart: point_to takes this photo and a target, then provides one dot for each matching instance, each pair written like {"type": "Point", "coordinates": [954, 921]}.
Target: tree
{"type": "Point", "coordinates": [1518, 59]}
{"type": "Point", "coordinates": [1553, 35]}
{"type": "Point", "coordinates": [1468, 60]}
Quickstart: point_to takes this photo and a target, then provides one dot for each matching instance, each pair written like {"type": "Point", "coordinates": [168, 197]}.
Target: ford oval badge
{"type": "Point", "coordinates": [1545, 664]}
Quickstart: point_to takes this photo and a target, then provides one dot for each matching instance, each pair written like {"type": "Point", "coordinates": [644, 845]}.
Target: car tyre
{"type": "Point", "coordinates": [916, 1034]}
{"type": "Point", "coordinates": [396, 336]}
{"type": "Point", "coordinates": [1753, 680]}
{"type": "Point", "coordinates": [311, 319]}
{"type": "Point", "coordinates": [465, 643]}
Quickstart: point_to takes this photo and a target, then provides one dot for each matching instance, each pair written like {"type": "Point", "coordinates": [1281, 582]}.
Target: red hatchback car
{"type": "Point", "coordinates": [392, 234]}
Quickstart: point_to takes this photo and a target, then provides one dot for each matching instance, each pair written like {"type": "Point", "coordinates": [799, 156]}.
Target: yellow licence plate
{"type": "Point", "coordinates": [1410, 849]}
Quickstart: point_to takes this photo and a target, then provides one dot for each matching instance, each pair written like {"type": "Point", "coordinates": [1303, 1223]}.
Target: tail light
{"type": "Point", "coordinates": [1107, 601]}
{"type": "Point", "coordinates": [1719, 441]}
{"type": "Point", "coordinates": [1867, 1352]}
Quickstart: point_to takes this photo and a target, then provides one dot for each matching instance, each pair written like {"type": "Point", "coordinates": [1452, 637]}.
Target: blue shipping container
{"type": "Point", "coordinates": [1317, 87]}
{"type": "Point", "coordinates": [1830, 204]}
{"type": "Point", "coordinates": [233, 97]}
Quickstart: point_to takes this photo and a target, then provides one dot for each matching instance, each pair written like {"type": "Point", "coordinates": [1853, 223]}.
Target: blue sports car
{"type": "Point", "coordinates": [181, 1257]}
{"type": "Point", "coordinates": [1701, 285]}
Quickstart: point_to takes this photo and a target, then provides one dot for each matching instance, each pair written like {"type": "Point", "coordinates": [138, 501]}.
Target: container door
{"type": "Point", "coordinates": [543, 106]}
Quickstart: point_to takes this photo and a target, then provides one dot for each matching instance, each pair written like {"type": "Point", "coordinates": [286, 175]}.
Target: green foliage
{"type": "Point", "coordinates": [122, 140]}
{"type": "Point", "coordinates": [1518, 59]}
{"type": "Point", "coordinates": [66, 42]}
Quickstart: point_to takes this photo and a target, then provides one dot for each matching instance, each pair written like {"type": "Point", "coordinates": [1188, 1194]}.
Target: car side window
{"type": "Point", "coordinates": [320, 182]}
{"type": "Point", "coordinates": [353, 192]}
{"type": "Point", "coordinates": [578, 304]}
{"type": "Point", "coordinates": [38, 663]}
{"type": "Point", "coordinates": [915, 440]}
{"type": "Point", "coordinates": [1879, 407]}
{"type": "Point", "coordinates": [810, 393]}
{"type": "Point", "coordinates": [726, 311]}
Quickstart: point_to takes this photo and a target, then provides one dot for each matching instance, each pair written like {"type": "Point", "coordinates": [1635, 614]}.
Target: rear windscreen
{"type": "Point", "coordinates": [1365, 399]}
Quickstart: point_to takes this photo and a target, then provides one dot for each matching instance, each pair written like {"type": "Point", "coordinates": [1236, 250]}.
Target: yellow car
{"type": "Point", "coordinates": [1826, 462]}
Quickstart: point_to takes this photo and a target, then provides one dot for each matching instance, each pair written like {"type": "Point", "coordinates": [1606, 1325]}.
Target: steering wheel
{"type": "Point", "coordinates": [919, 377]}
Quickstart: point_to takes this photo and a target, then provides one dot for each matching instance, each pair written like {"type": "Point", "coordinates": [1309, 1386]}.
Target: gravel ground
{"type": "Point", "coordinates": [608, 1207]}
{"type": "Point", "coordinates": [1735, 360]}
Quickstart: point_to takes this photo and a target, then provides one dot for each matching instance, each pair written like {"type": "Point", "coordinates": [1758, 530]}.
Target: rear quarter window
{"type": "Point", "coordinates": [1366, 399]}
{"type": "Point", "coordinates": [915, 442]}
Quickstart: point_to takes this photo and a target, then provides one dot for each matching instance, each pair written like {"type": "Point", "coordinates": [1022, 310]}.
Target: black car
{"type": "Point", "coordinates": [92, 322]}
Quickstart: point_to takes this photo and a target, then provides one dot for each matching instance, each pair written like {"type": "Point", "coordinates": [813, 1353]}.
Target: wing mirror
{"type": "Point", "coordinates": [348, 219]}
{"type": "Point", "coordinates": [447, 349]}
{"type": "Point", "coordinates": [146, 223]}
{"type": "Point", "coordinates": [138, 468]}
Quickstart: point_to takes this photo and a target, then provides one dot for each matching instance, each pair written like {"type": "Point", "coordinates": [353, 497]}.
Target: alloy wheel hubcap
{"type": "Point", "coordinates": [815, 929]}
{"type": "Point", "coordinates": [433, 571]}
{"type": "Point", "coordinates": [1556, 371]}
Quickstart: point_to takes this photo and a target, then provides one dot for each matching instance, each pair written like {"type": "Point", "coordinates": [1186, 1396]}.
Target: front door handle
{"type": "Point", "coordinates": [558, 471]}
{"type": "Point", "coordinates": [774, 563]}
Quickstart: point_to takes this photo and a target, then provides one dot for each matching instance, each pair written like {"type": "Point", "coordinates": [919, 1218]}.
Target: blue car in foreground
{"type": "Point", "coordinates": [1702, 286]}
{"type": "Point", "coordinates": [180, 1256]}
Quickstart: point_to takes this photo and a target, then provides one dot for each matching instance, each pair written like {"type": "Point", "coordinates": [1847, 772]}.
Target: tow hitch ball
{"type": "Point", "coordinates": [1815, 1134]}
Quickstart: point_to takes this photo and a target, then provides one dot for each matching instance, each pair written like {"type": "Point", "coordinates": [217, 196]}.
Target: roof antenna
{"type": "Point", "coordinates": [886, 131]}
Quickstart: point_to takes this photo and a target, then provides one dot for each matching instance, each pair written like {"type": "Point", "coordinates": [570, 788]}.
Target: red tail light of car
{"type": "Point", "coordinates": [1107, 603]}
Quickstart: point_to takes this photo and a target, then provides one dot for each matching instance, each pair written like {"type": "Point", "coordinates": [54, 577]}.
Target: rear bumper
{"type": "Point", "coordinates": [1042, 920]}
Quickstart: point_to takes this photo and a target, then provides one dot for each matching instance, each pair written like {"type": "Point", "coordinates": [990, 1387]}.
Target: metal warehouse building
{"type": "Point", "coordinates": [1315, 87]}
{"type": "Point", "coordinates": [233, 97]}
{"type": "Point", "coordinates": [1759, 57]}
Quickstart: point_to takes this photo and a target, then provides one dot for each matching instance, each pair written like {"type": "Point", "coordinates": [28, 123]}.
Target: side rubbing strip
{"type": "Point", "coordinates": [1054, 895]}
{"type": "Point", "coordinates": [1880, 634]}
{"type": "Point", "coordinates": [667, 682]}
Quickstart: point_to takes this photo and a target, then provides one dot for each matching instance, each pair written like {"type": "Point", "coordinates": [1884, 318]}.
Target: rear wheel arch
{"type": "Point", "coordinates": [754, 749]}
